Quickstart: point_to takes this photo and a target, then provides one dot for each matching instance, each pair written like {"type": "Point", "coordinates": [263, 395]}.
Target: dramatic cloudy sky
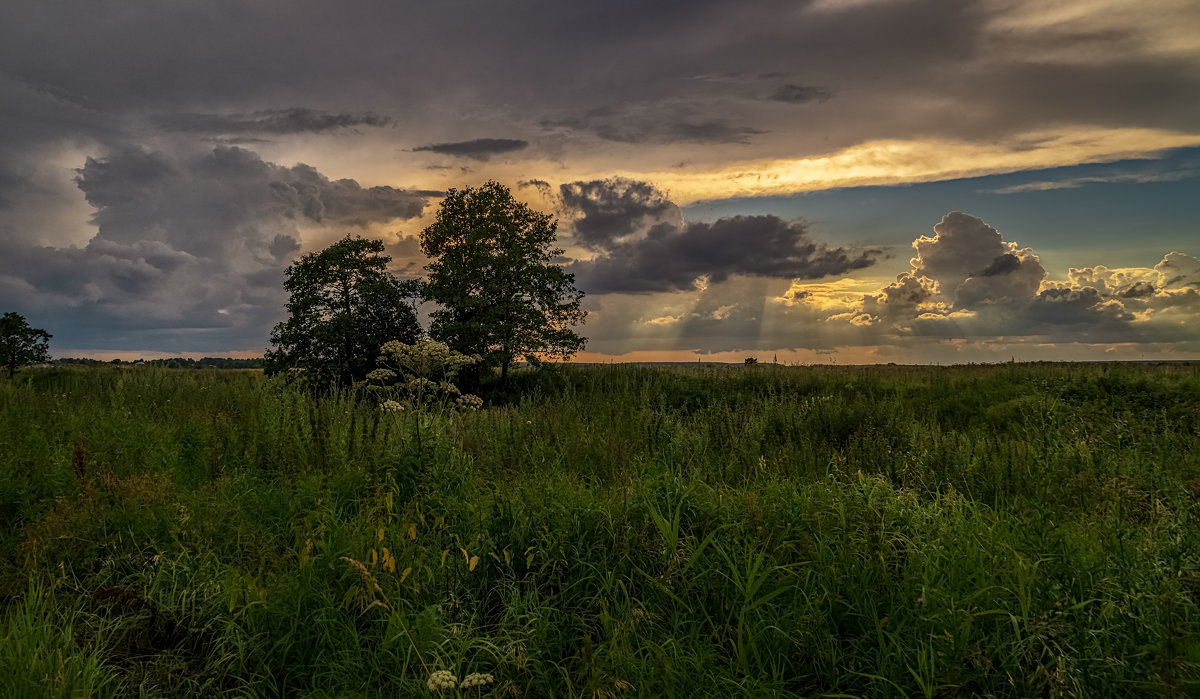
{"type": "Point", "coordinates": [813, 180]}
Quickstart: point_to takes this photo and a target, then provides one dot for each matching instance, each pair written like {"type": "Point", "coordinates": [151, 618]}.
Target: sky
{"type": "Point", "coordinates": [849, 181]}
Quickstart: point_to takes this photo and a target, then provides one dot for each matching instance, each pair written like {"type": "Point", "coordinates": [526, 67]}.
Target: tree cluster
{"type": "Point", "coordinates": [498, 295]}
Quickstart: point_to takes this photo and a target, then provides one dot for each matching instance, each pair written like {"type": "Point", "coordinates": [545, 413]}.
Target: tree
{"type": "Point", "coordinates": [491, 273]}
{"type": "Point", "coordinates": [344, 306]}
{"type": "Point", "coordinates": [21, 344]}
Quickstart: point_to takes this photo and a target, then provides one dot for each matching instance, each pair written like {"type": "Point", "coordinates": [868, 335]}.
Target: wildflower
{"type": "Point", "coordinates": [469, 402]}
{"type": "Point", "coordinates": [529, 422]}
{"type": "Point", "coordinates": [381, 375]}
{"type": "Point", "coordinates": [442, 679]}
{"type": "Point", "coordinates": [476, 679]}
{"type": "Point", "coordinates": [391, 406]}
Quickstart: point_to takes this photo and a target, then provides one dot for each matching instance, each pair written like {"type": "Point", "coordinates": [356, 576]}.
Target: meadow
{"type": "Point", "coordinates": [606, 531]}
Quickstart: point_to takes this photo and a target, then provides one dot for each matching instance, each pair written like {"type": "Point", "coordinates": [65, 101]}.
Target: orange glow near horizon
{"type": "Point", "coordinates": [842, 355]}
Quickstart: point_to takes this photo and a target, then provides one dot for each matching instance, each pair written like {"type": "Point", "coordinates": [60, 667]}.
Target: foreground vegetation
{"type": "Point", "coordinates": [606, 531]}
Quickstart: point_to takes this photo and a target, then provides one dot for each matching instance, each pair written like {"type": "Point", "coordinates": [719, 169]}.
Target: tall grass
{"type": "Point", "coordinates": [1022, 530]}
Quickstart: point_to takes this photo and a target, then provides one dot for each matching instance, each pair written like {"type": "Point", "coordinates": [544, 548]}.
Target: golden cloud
{"type": "Point", "coordinates": [890, 162]}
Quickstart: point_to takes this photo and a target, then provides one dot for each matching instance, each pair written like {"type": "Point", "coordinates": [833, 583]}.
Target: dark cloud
{"type": "Point", "coordinates": [138, 191]}
{"type": "Point", "coordinates": [801, 94]}
{"type": "Point", "coordinates": [10, 183]}
{"type": "Point", "coordinates": [645, 245]}
{"type": "Point", "coordinates": [1003, 264]}
{"type": "Point", "coordinates": [477, 149]}
{"type": "Point", "coordinates": [196, 245]}
{"type": "Point", "coordinates": [277, 121]}
{"type": "Point", "coordinates": [555, 58]}
{"type": "Point", "coordinates": [654, 124]}
{"type": "Point", "coordinates": [707, 131]}
{"type": "Point", "coordinates": [283, 247]}
{"type": "Point", "coordinates": [605, 212]}
{"type": "Point", "coordinates": [704, 82]}
{"type": "Point", "coordinates": [1138, 290]}
{"type": "Point", "coordinates": [542, 186]}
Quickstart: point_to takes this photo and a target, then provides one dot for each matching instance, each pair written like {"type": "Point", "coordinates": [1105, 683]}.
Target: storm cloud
{"type": "Point", "coordinates": [187, 249]}
{"type": "Point", "coordinates": [477, 149]}
{"type": "Point", "coordinates": [277, 121]}
{"type": "Point", "coordinates": [654, 123]}
{"type": "Point", "coordinates": [606, 212]}
{"type": "Point", "coordinates": [644, 245]}
{"type": "Point", "coordinates": [706, 99]}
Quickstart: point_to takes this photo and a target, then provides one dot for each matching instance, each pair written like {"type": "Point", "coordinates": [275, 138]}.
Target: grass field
{"type": "Point", "coordinates": [1009, 531]}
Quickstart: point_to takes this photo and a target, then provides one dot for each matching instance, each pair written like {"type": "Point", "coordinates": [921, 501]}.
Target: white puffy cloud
{"type": "Point", "coordinates": [974, 265]}
{"type": "Point", "coordinates": [966, 281]}
{"type": "Point", "coordinates": [1178, 271]}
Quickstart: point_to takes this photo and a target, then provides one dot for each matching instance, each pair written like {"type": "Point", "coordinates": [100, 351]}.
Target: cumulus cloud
{"type": "Point", "coordinates": [607, 212]}
{"type": "Point", "coordinates": [644, 244]}
{"type": "Point", "coordinates": [1168, 291]}
{"type": "Point", "coordinates": [476, 149]}
{"type": "Point", "coordinates": [967, 281]}
{"type": "Point", "coordinates": [187, 245]}
{"type": "Point", "coordinates": [1178, 271]}
{"type": "Point", "coordinates": [973, 264]}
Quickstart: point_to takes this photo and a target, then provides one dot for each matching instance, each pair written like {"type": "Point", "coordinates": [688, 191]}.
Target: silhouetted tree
{"type": "Point", "coordinates": [490, 272]}
{"type": "Point", "coordinates": [344, 305]}
{"type": "Point", "coordinates": [21, 344]}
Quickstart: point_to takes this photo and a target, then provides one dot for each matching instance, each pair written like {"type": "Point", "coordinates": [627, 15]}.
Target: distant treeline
{"type": "Point", "coordinates": [173, 363]}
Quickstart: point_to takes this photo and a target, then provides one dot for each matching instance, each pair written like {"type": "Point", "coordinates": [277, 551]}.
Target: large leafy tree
{"type": "Point", "coordinates": [344, 305]}
{"type": "Point", "coordinates": [21, 344]}
{"type": "Point", "coordinates": [490, 271]}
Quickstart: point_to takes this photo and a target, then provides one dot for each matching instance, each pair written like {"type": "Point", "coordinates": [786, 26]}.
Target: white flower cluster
{"type": "Point", "coordinates": [381, 375]}
{"type": "Point", "coordinates": [391, 406]}
{"type": "Point", "coordinates": [421, 375]}
{"type": "Point", "coordinates": [442, 679]}
{"type": "Point", "coordinates": [425, 358]}
{"type": "Point", "coordinates": [476, 679]}
{"type": "Point", "coordinates": [469, 402]}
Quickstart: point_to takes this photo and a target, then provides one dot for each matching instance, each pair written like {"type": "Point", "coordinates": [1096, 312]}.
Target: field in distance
{"type": "Point", "coordinates": [606, 531]}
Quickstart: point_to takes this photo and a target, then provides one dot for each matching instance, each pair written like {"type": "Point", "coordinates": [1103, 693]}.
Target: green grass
{"type": "Point", "coordinates": [1008, 531]}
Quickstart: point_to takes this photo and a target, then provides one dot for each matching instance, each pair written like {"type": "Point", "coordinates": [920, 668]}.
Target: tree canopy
{"type": "Point", "coordinates": [21, 344]}
{"type": "Point", "coordinates": [492, 275]}
{"type": "Point", "coordinates": [344, 306]}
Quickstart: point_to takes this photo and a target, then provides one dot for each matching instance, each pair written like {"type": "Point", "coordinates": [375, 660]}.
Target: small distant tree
{"type": "Point", "coordinates": [344, 305]}
{"type": "Point", "coordinates": [491, 272]}
{"type": "Point", "coordinates": [21, 344]}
